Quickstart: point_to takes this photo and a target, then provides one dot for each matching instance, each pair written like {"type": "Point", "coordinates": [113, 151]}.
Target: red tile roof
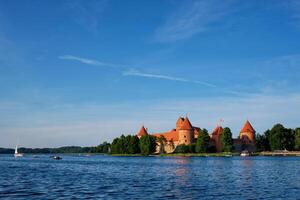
{"type": "Point", "coordinates": [218, 130]}
{"type": "Point", "coordinates": [180, 120]}
{"type": "Point", "coordinates": [142, 132]}
{"type": "Point", "coordinates": [171, 135]}
{"type": "Point", "coordinates": [248, 128]}
{"type": "Point", "coordinates": [186, 125]}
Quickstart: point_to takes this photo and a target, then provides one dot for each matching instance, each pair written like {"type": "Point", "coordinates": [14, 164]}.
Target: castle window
{"type": "Point", "coordinates": [185, 140]}
{"type": "Point", "coordinates": [185, 136]}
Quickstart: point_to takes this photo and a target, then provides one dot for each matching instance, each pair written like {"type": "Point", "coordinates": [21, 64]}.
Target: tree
{"type": "Point", "coordinates": [161, 140]}
{"type": "Point", "coordinates": [262, 142]}
{"type": "Point", "coordinates": [297, 139]}
{"type": "Point", "coordinates": [134, 147]}
{"type": "Point", "coordinates": [127, 148]}
{"type": "Point", "coordinates": [115, 149]}
{"type": "Point", "coordinates": [226, 139]}
{"type": "Point", "coordinates": [147, 144]}
{"type": "Point", "coordinates": [122, 144]}
{"type": "Point", "coordinates": [281, 138]}
{"type": "Point", "coordinates": [103, 148]}
{"type": "Point", "coordinates": [202, 141]}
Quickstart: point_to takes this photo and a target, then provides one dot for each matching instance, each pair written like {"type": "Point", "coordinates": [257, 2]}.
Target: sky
{"type": "Point", "coordinates": [84, 72]}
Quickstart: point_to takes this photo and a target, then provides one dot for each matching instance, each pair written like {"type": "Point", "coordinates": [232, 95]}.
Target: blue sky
{"type": "Point", "coordinates": [82, 72]}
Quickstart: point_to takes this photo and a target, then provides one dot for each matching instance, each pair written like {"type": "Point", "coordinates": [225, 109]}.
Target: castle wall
{"type": "Point", "coordinates": [185, 137]}
{"type": "Point", "coordinates": [247, 137]}
{"type": "Point", "coordinates": [217, 142]}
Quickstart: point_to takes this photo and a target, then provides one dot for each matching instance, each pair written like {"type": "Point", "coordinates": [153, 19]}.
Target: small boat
{"type": "Point", "coordinates": [16, 153]}
{"type": "Point", "coordinates": [245, 154]}
{"type": "Point", "coordinates": [56, 158]}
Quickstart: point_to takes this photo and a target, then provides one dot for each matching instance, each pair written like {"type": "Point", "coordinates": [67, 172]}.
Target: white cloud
{"type": "Point", "coordinates": [86, 61]}
{"type": "Point", "coordinates": [126, 71]}
{"type": "Point", "coordinates": [192, 18]}
{"type": "Point", "coordinates": [159, 76]}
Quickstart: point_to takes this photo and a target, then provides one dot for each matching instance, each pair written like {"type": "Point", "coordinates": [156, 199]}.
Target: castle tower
{"type": "Point", "coordinates": [216, 136]}
{"type": "Point", "coordinates": [185, 132]}
{"type": "Point", "coordinates": [142, 132]}
{"type": "Point", "coordinates": [247, 134]}
{"type": "Point", "coordinates": [179, 123]}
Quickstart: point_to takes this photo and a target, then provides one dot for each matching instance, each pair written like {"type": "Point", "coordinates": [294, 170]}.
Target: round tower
{"type": "Point", "coordinates": [185, 132]}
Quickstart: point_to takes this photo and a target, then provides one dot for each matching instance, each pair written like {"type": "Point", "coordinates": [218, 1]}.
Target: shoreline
{"type": "Point", "coordinates": [222, 154]}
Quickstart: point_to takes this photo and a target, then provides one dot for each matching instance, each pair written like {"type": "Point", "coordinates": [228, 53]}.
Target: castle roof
{"type": "Point", "coordinates": [247, 128]}
{"type": "Point", "coordinates": [186, 125]}
{"type": "Point", "coordinates": [180, 120]}
{"type": "Point", "coordinates": [142, 132]}
{"type": "Point", "coordinates": [218, 130]}
{"type": "Point", "coordinates": [171, 135]}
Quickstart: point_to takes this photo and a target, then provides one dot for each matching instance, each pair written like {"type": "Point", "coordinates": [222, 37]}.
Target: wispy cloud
{"type": "Point", "coordinates": [129, 71]}
{"type": "Point", "coordinates": [86, 61]}
{"type": "Point", "coordinates": [133, 72]}
{"type": "Point", "coordinates": [193, 17]}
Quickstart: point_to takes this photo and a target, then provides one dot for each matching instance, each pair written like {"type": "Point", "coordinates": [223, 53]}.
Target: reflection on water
{"type": "Point", "coordinates": [107, 177]}
{"type": "Point", "coordinates": [183, 166]}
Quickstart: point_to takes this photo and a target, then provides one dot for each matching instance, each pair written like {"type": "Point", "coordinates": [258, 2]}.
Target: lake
{"type": "Point", "coordinates": [108, 177]}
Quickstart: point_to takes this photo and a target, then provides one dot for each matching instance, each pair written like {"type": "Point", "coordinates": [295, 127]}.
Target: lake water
{"type": "Point", "coordinates": [107, 177]}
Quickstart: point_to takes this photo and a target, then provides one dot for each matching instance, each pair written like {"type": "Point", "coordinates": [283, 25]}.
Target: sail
{"type": "Point", "coordinates": [16, 149]}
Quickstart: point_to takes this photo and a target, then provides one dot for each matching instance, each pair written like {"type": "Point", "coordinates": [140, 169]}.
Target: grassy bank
{"type": "Point", "coordinates": [223, 154]}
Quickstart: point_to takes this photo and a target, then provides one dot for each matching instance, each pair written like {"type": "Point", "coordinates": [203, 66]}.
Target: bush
{"type": "Point", "coordinates": [185, 148]}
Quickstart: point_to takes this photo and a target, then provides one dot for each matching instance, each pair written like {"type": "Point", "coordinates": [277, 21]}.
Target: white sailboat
{"type": "Point", "coordinates": [16, 152]}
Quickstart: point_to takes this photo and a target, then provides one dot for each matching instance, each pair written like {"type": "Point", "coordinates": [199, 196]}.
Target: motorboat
{"type": "Point", "coordinates": [56, 158]}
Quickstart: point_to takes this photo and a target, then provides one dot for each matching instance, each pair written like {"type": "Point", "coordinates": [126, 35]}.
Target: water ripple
{"type": "Point", "coordinates": [106, 177]}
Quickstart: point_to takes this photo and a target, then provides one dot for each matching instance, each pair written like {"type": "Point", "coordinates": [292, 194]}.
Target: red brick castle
{"type": "Point", "coordinates": [186, 133]}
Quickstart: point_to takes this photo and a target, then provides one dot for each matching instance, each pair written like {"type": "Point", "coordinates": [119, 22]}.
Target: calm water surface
{"type": "Point", "coordinates": [106, 177]}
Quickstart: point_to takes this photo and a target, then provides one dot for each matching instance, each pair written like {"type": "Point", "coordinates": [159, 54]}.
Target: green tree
{"type": "Point", "coordinates": [147, 144]}
{"type": "Point", "coordinates": [103, 148]}
{"type": "Point", "coordinates": [297, 139]}
{"type": "Point", "coordinates": [262, 142]}
{"type": "Point", "coordinates": [122, 144]}
{"type": "Point", "coordinates": [127, 144]}
{"type": "Point", "coordinates": [134, 147]}
{"type": "Point", "coordinates": [281, 138]}
{"type": "Point", "coordinates": [115, 149]}
{"type": "Point", "coordinates": [182, 148]}
{"type": "Point", "coordinates": [162, 141]}
{"type": "Point", "coordinates": [226, 139]}
{"type": "Point", "coordinates": [202, 141]}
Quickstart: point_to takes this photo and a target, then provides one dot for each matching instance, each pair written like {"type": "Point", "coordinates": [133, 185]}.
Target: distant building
{"type": "Point", "coordinates": [186, 133]}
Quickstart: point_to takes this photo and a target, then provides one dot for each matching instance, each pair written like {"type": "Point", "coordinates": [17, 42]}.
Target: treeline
{"type": "Point", "coordinates": [102, 148]}
{"type": "Point", "coordinates": [131, 144]}
{"type": "Point", "coordinates": [279, 138]}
